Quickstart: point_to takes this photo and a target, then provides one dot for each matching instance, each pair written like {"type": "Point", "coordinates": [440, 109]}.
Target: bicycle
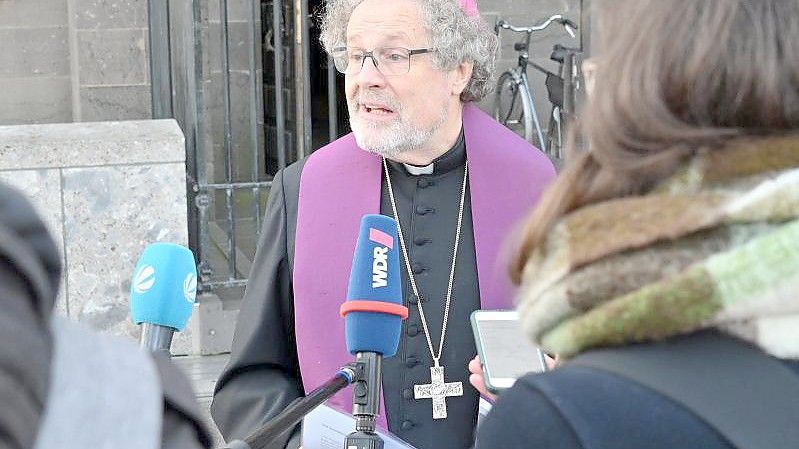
{"type": "Point", "coordinates": [514, 106]}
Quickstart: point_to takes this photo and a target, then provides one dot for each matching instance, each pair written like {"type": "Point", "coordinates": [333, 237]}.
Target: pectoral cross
{"type": "Point", "coordinates": [438, 391]}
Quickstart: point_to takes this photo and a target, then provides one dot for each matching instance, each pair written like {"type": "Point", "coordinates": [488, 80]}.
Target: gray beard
{"type": "Point", "coordinates": [395, 139]}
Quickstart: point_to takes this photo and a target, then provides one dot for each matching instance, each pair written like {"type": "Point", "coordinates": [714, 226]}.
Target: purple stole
{"type": "Point", "coordinates": [341, 182]}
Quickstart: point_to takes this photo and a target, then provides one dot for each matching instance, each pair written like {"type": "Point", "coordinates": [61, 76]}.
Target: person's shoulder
{"type": "Point", "coordinates": [605, 405]}
{"type": "Point", "coordinates": [497, 145]}
{"type": "Point", "coordinates": [537, 411]}
{"type": "Point", "coordinates": [291, 173]}
{"type": "Point", "coordinates": [289, 176]}
{"type": "Point", "coordinates": [526, 416]}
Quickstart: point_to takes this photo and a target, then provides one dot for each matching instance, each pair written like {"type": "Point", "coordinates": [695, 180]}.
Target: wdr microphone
{"type": "Point", "coordinates": [373, 316]}
{"type": "Point", "coordinates": [162, 293]}
{"type": "Point", "coordinates": [373, 321]}
{"type": "Point", "coordinates": [373, 312]}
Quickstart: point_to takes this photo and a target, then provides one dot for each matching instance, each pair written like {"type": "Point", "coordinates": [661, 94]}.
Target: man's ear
{"type": "Point", "coordinates": [461, 76]}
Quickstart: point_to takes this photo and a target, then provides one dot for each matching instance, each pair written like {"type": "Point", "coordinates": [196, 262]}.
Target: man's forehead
{"type": "Point", "coordinates": [386, 21]}
{"type": "Point", "coordinates": [382, 36]}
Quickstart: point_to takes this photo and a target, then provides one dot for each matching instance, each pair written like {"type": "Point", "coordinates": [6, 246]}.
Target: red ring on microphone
{"type": "Point", "coordinates": [373, 306]}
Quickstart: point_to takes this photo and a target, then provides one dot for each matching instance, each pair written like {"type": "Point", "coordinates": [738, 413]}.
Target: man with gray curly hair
{"type": "Point", "coordinates": [421, 152]}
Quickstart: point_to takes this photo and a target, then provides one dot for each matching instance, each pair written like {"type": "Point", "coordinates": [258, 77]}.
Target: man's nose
{"type": "Point", "coordinates": [370, 75]}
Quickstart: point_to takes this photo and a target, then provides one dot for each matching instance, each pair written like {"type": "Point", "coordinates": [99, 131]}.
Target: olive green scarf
{"type": "Point", "coordinates": [714, 246]}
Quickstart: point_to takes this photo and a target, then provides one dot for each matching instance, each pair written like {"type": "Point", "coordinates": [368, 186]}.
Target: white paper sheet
{"type": "Point", "coordinates": [326, 428]}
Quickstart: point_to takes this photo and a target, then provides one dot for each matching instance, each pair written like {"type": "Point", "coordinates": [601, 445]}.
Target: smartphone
{"type": "Point", "coordinates": [505, 352]}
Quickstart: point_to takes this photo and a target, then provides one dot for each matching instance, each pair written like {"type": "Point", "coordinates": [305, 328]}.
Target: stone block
{"type": "Point", "coordinates": [118, 186]}
{"type": "Point", "coordinates": [111, 214]}
{"type": "Point", "coordinates": [105, 14]}
{"type": "Point", "coordinates": [102, 103]}
{"type": "Point", "coordinates": [43, 189]}
{"type": "Point", "coordinates": [91, 144]}
{"type": "Point", "coordinates": [35, 100]}
{"type": "Point", "coordinates": [34, 52]}
{"type": "Point", "coordinates": [112, 57]}
{"type": "Point", "coordinates": [39, 13]}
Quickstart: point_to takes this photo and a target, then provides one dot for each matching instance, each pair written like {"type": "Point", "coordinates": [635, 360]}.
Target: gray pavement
{"type": "Point", "coordinates": [203, 372]}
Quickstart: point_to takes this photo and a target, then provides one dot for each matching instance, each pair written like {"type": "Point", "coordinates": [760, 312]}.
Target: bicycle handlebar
{"type": "Point", "coordinates": [570, 26]}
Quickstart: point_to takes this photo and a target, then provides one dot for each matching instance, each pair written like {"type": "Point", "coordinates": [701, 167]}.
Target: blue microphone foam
{"type": "Point", "coordinates": [164, 286]}
{"type": "Point", "coordinates": [375, 276]}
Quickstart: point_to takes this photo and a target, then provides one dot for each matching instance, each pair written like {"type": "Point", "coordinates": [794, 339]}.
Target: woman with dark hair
{"type": "Point", "coordinates": [663, 264]}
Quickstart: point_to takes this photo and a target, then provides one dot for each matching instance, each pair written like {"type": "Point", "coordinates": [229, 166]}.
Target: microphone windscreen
{"type": "Point", "coordinates": [374, 322]}
{"type": "Point", "coordinates": [164, 286]}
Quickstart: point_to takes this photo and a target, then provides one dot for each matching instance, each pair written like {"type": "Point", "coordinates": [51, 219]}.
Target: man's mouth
{"type": "Point", "coordinates": [377, 109]}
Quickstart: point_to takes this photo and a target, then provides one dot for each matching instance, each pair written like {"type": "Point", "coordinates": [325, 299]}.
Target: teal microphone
{"type": "Point", "coordinates": [162, 293]}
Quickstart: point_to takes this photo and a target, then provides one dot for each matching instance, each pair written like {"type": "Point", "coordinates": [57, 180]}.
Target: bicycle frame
{"type": "Point", "coordinates": [521, 72]}
{"type": "Point", "coordinates": [519, 76]}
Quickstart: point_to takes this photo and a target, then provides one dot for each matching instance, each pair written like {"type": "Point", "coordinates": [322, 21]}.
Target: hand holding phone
{"type": "Point", "coordinates": [505, 352]}
{"type": "Point", "coordinates": [477, 379]}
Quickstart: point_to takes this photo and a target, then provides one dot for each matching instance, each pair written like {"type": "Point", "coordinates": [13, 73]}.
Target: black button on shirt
{"type": "Point", "coordinates": [411, 361]}
{"type": "Point", "coordinates": [424, 210]}
{"type": "Point", "coordinates": [435, 256]}
{"type": "Point", "coordinates": [407, 425]}
{"type": "Point", "coordinates": [424, 183]}
{"type": "Point", "coordinates": [413, 330]}
{"type": "Point", "coordinates": [417, 268]}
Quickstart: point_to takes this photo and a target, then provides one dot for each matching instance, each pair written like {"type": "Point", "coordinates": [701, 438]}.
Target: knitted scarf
{"type": "Point", "coordinates": [714, 246]}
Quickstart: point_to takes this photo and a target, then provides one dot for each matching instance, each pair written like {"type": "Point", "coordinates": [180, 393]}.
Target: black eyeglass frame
{"type": "Point", "coordinates": [371, 55]}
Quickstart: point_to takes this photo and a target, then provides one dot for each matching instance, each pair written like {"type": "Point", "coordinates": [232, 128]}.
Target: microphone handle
{"type": "Point", "coordinates": [286, 420]}
{"type": "Point", "coordinates": [366, 394]}
{"type": "Point", "coordinates": [366, 403]}
{"type": "Point", "coordinates": [156, 338]}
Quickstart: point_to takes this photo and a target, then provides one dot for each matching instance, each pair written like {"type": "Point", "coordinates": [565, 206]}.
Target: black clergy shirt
{"type": "Point", "coordinates": [262, 376]}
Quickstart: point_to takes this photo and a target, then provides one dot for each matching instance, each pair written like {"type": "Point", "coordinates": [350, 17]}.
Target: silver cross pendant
{"type": "Point", "coordinates": [438, 391]}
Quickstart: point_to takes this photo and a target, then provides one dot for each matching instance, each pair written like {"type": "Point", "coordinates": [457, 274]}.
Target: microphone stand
{"type": "Point", "coordinates": [286, 420]}
{"type": "Point", "coordinates": [365, 373]}
{"type": "Point", "coordinates": [157, 338]}
{"type": "Point", "coordinates": [366, 403]}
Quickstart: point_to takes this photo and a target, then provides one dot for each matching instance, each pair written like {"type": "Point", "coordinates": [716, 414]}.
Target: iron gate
{"type": "Point", "coordinates": [253, 92]}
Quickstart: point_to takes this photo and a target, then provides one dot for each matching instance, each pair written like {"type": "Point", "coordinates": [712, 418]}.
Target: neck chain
{"type": "Point", "coordinates": [437, 389]}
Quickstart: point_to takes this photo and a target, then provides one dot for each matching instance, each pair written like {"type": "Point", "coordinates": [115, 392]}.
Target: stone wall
{"type": "Point", "coordinates": [73, 60]}
{"type": "Point", "coordinates": [105, 190]}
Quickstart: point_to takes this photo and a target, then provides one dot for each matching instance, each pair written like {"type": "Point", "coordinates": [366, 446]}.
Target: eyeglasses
{"type": "Point", "coordinates": [388, 60]}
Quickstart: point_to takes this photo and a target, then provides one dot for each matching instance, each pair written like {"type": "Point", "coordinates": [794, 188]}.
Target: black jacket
{"type": "Point", "coordinates": [578, 407]}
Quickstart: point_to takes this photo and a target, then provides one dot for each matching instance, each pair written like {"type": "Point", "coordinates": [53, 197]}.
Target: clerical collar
{"type": "Point", "coordinates": [454, 158]}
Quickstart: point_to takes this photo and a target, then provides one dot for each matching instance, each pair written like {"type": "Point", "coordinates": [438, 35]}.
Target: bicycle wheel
{"type": "Point", "coordinates": [511, 104]}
